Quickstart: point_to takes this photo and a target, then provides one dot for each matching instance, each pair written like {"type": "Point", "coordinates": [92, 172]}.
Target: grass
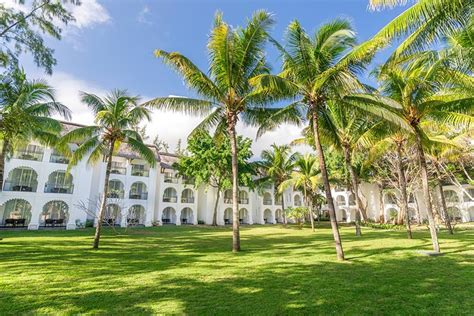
{"type": "Point", "coordinates": [190, 270]}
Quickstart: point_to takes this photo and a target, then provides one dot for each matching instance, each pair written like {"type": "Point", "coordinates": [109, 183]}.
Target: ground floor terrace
{"type": "Point", "coordinates": [191, 270]}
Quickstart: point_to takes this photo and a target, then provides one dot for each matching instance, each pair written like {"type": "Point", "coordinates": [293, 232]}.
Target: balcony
{"type": "Point", "coordinates": [55, 158]}
{"type": "Point", "coordinates": [115, 194]}
{"type": "Point", "coordinates": [187, 199]}
{"type": "Point", "coordinates": [140, 171]}
{"type": "Point", "coordinates": [138, 195]}
{"type": "Point", "coordinates": [118, 170]}
{"type": "Point", "coordinates": [28, 155]}
{"type": "Point", "coordinates": [187, 180]}
{"type": "Point", "coordinates": [243, 201]}
{"type": "Point", "coordinates": [19, 186]}
{"type": "Point", "coordinates": [171, 179]}
{"type": "Point", "coordinates": [58, 188]}
{"type": "Point", "coordinates": [227, 200]}
{"type": "Point", "coordinates": [267, 202]}
{"type": "Point", "coordinates": [170, 199]}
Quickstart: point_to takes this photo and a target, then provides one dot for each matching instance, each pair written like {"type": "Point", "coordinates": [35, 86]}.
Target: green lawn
{"type": "Point", "coordinates": [190, 270]}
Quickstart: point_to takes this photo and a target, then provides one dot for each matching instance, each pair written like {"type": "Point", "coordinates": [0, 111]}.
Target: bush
{"type": "Point", "coordinates": [200, 222]}
{"type": "Point", "coordinates": [89, 223]}
{"type": "Point", "coordinates": [383, 226]}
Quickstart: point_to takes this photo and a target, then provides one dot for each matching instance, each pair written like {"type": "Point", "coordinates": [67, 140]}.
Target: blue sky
{"type": "Point", "coordinates": [111, 46]}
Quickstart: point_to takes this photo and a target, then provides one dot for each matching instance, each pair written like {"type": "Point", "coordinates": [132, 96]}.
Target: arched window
{"type": "Point", "coordinates": [341, 200]}
{"type": "Point", "coordinates": [168, 216]}
{"type": "Point", "coordinates": [243, 216]}
{"type": "Point", "coordinates": [136, 215]}
{"type": "Point", "coordinates": [267, 198]}
{"type": "Point", "coordinates": [14, 213]}
{"type": "Point", "coordinates": [243, 197]}
{"type": "Point", "coordinates": [277, 198]}
{"type": "Point", "coordinates": [344, 215]}
{"type": "Point", "coordinates": [187, 196]}
{"type": "Point", "coordinates": [187, 216]}
{"type": "Point", "coordinates": [116, 190]}
{"type": "Point", "coordinates": [267, 216]}
{"type": "Point", "coordinates": [112, 215]}
{"type": "Point", "coordinates": [22, 179]}
{"type": "Point", "coordinates": [451, 196]}
{"type": "Point", "coordinates": [55, 213]}
{"type": "Point", "coordinates": [228, 216]}
{"type": "Point", "coordinates": [297, 200]}
{"type": "Point", "coordinates": [59, 182]}
{"type": "Point", "coordinates": [352, 199]}
{"type": "Point", "coordinates": [138, 191]}
{"type": "Point", "coordinates": [228, 196]}
{"type": "Point", "coordinates": [279, 216]}
{"type": "Point", "coordinates": [170, 195]}
{"type": "Point", "coordinates": [390, 198]}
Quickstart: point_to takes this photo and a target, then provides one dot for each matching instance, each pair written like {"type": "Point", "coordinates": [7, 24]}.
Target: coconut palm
{"type": "Point", "coordinates": [315, 69]}
{"type": "Point", "coordinates": [225, 95]}
{"type": "Point", "coordinates": [26, 110]}
{"type": "Point", "coordinates": [277, 165]}
{"type": "Point", "coordinates": [116, 119]}
{"type": "Point", "coordinates": [307, 178]}
{"type": "Point", "coordinates": [415, 92]}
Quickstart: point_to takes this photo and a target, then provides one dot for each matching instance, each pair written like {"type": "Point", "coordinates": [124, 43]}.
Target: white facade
{"type": "Point", "coordinates": [39, 193]}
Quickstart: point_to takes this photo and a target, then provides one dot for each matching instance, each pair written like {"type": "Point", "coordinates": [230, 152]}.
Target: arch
{"type": "Point", "coordinates": [278, 198]}
{"type": "Point", "coordinates": [228, 216]}
{"type": "Point", "coordinates": [138, 191]}
{"type": "Point", "coordinates": [21, 179]}
{"type": "Point", "coordinates": [411, 198]}
{"type": "Point", "coordinates": [168, 216]}
{"type": "Point", "coordinates": [55, 213]}
{"type": "Point", "coordinates": [228, 196]}
{"type": "Point", "coordinates": [170, 195]}
{"type": "Point", "coordinates": [412, 215]}
{"type": "Point", "coordinates": [344, 216]}
{"type": "Point", "coordinates": [187, 216]}
{"type": "Point", "coordinates": [454, 214]}
{"type": "Point", "coordinates": [116, 189]}
{"type": "Point", "coordinates": [243, 216]}
{"type": "Point", "coordinates": [451, 196]}
{"type": "Point", "coordinates": [113, 215]}
{"type": "Point", "coordinates": [187, 196]}
{"type": "Point", "coordinates": [352, 199]}
{"type": "Point", "coordinates": [470, 212]}
{"type": "Point", "coordinates": [59, 182]}
{"type": "Point", "coordinates": [340, 200]}
{"type": "Point", "coordinates": [279, 216]}
{"type": "Point", "coordinates": [136, 215]}
{"type": "Point", "coordinates": [390, 198]}
{"type": "Point", "coordinates": [297, 200]}
{"type": "Point", "coordinates": [392, 214]}
{"type": "Point", "coordinates": [267, 216]}
{"type": "Point", "coordinates": [267, 198]}
{"type": "Point", "coordinates": [15, 212]}
{"type": "Point", "coordinates": [243, 197]}
{"type": "Point", "coordinates": [467, 195]}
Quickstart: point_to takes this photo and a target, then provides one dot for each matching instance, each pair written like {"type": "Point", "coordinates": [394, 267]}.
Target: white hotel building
{"type": "Point", "coordinates": [38, 193]}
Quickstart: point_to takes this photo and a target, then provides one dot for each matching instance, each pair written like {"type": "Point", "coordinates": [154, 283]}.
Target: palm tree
{"type": "Point", "coordinates": [315, 69]}
{"type": "Point", "coordinates": [117, 117]}
{"type": "Point", "coordinates": [277, 165]}
{"type": "Point", "coordinates": [225, 95]}
{"type": "Point", "coordinates": [415, 92]}
{"type": "Point", "coordinates": [306, 177]}
{"type": "Point", "coordinates": [26, 110]}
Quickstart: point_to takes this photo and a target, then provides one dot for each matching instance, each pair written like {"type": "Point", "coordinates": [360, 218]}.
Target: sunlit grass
{"type": "Point", "coordinates": [191, 270]}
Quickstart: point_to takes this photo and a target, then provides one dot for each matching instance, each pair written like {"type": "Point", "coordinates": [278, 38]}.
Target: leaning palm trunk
{"type": "Point", "coordinates": [426, 191]}
{"type": "Point", "coordinates": [327, 187]}
{"type": "Point", "coordinates": [103, 203]}
{"type": "Point", "coordinates": [283, 209]}
{"type": "Point", "coordinates": [3, 156]}
{"type": "Point", "coordinates": [403, 189]}
{"type": "Point", "coordinates": [444, 209]}
{"type": "Point", "coordinates": [235, 185]}
{"type": "Point", "coordinates": [214, 216]}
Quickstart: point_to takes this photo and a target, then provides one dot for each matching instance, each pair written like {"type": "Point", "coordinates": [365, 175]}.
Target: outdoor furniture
{"type": "Point", "coordinates": [15, 222]}
{"type": "Point", "coordinates": [241, 221]}
{"type": "Point", "coordinates": [184, 220]}
{"type": "Point", "coordinates": [166, 221]}
{"type": "Point", "coordinates": [227, 221]}
{"type": "Point", "coordinates": [132, 221]}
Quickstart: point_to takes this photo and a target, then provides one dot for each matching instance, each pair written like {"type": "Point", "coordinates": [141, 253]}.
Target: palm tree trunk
{"type": "Point", "coordinates": [327, 187]}
{"type": "Point", "coordinates": [103, 203]}
{"type": "Point", "coordinates": [283, 209]}
{"type": "Point", "coordinates": [403, 189]}
{"type": "Point", "coordinates": [235, 184]}
{"type": "Point", "coordinates": [381, 206]}
{"type": "Point", "coordinates": [3, 156]}
{"type": "Point", "coordinates": [308, 205]}
{"type": "Point", "coordinates": [426, 191]}
{"type": "Point", "coordinates": [214, 216]}
{"type": "Point", "coordinates": [355, 183]}
{"type": "Point", "coordinates": [444, 209]}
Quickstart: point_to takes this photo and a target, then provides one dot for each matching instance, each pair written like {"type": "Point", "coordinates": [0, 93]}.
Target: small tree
{"type": "Point", "coordinates": [209, 162]}
{"type": "Point", "coordinates": [298, 214]}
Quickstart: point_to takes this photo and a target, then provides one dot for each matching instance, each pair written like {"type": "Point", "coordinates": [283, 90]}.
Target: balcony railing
{"type": "Point", "coordinates": [58, 188]}
{"type": "Point", "coordinates": [116, 194]}
{"type": "Point", "coordinates": [138, 195]}
{"type": "Point", "coordinates": [118, 170]}
{"type": "Point", "coordinates": [171, 179]}
{"type": "Point", "coordinates": [187, 199]}
{"type": "Point", "coordinates": [267, 202]}
{"type": "Point", "coordinates": [277, 201]}
{"type": "Point", "coordinates": [20, 186]}
{"type": "Point", "coordinates": [140, 172]}
{"type": "Point", "coordinates": [187, 180]}
{"type": "Point", "coordinates": [227, 200]}
{"type": "Point", "coordinates": [28, 155]}
{"type": "Point", "coordinates": [243, 201]}
{"type": "Point", "coordinates": [54, 158]}
{"type": "Point", "coordinates": [170, 199]}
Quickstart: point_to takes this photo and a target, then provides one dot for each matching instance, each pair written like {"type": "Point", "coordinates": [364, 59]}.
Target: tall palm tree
{"type": "Point", "coordinates": [277, 165]}
{"type": "Point", "coordinates": [26, 110]}
{"type": "Point", "coordinates": [307, 178]}
{"type": "Point", "coordinates": [316, 69]}
{"type": "Point", "coordinates": [116, 119]}
{"type": "Point", "coordinates": [415, 92]}
{"type": "Point", "coordinates": [225, 95]}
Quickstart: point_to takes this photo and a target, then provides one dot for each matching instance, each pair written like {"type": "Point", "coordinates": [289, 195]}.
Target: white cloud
{"type": "Point", "coordinates": [143, 16]}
